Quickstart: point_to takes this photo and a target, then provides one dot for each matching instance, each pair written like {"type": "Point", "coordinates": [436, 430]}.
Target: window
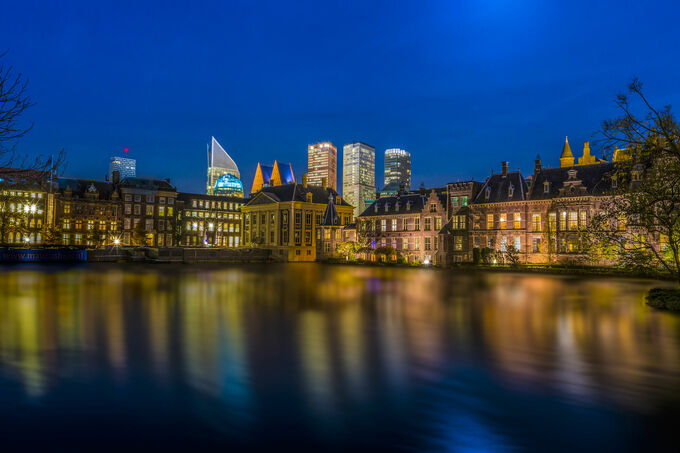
{"type": "Point", "coordinates": [511, 190]}
{"type": "Point", "coordinates": [504, 243]}
{"type": "Point", "coordinates": [573, 220]}
{"type": "Point", "coordinates": [433, 207]}
{"type": "Point", "coordinates": [79, 224]}
{"type": "Point", "coordinates": [138, 209]}
{"type": "Point", "coordinates": [308, 220]}
{"type": "Point", "coordinates": [149, 209]}
{"type": "Point", "coordinates": [298, 220]}
{"type": "Point", "coordinates": [149, 198]}
{"type": "Point", "coordinates": [428, 243]}
{"type": "Point", "coordinates": [536, 244]}
{"type": "Point", "coordinates": [582, 219]}
{"type": "Point", "coordinates": [518, 242]}
{"type": "Point", "coordinates": [417, 224]}
{"type": "Point", "coordinates": [546, 187]}
{"type": "Point", "coordinates": [67, 208]}
{"type": "Point", "coordinates": [128, 208]}
{"type": "Point", "coordinates": [563, 221]}
{"type": "Point", "coordinates": [126, 223]}
{"type": "Point", "coordinates": [503, 221]}
{"type": "Point", "coordinates": [149, 224]}
{"type": "Point", "coordinates": [454, 201]}
{"type": "Point", "coordinates": [394, 224]}
{"type": "Point", "coordinates": [128, 197]}
{"type": "Point", "coordinates": [458, 243]}
{"type": "Point", "coordinates": [463, 200]}
{"type": "Point", "coordinates": [535, 222]}
{"type": "Point", "coordinates": [271, 237]}
{"type": "Point", "coordinates": [428, 224]}
{"type": "Point", "coordinates": [417, 244]}
{"type": "Point", "coordinates": [161, 211]}
{"type": "Point", "coordinates": [517, 221]}
{"type": "Point", "coordinates": [489, 221]}
{"type": "Point", "coordinates": [161, 200]}
{"type": "Point", "coordinates": [169, 209]}
{"type": "Point", "coordinates": [297, 238]}
{"type": "Point", "coordinates": [437, 223]}
{"type": "Point", "coordinates": [138, 198]}
{"type": "Point", "coordinates": [475, 242]}
{"type": "Point", "coordinates": [552, 221]}
{"type": "Point", "coordinates": [487, 193]}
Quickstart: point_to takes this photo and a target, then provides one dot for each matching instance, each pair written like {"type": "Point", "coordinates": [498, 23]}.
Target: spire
{"type": "Point", "coordinates": [330, 216]}
{"type": "Point", "coordinates": [567, 158]}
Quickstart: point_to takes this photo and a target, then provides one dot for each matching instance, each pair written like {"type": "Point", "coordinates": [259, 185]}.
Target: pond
{"type": "Point", "coordinates": [332, 357]}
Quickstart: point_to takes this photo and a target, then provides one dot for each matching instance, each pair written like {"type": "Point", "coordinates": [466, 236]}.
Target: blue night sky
{"type": "Point", "coordinates": [462, 85]}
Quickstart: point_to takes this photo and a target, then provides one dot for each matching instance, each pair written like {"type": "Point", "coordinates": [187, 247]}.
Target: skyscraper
{"type": "Point", "coordinates": [358, 174]}
{"type": "Point", "coordinates": [219, 163]}
{"type": "Point", "coordinates": [126, 168]}
{"type": "Point", "coordinates": [397, 169]}
{"type": "Point", "coordinates": [322, 162]}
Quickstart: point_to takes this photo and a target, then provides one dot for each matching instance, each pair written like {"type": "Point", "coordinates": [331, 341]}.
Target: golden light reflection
{"type": "Point", "coordinates": [334, 331]}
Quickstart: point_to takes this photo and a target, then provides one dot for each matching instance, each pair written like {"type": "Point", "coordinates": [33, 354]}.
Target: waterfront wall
{"type": "Point", "coordinates": [139, 254]}
{"type": "Point", "coordinates": [179, 255]}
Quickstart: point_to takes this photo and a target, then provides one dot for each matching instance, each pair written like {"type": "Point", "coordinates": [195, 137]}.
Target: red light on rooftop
{"type": "Point", "coordinates": [126, 150]}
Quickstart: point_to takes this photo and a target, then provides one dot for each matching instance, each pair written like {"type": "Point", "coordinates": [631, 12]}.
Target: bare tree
{"type": "Point", "coordinates": [640, 223]}
{"type": "Point", "coordinates": [14, 101]}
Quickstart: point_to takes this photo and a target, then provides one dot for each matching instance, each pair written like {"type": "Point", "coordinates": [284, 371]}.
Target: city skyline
{"type": "Point", "coordinates": [106, 78]}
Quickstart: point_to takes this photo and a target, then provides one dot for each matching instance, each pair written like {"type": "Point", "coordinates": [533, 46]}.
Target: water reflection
{"type": "Point", "coordinates": [414, 356]}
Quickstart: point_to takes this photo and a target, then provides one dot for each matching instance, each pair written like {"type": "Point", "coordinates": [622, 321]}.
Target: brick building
{"type": "Point", "coordinates": [408, 222]}
{"type": "Point", "coordinates": [87, 212]}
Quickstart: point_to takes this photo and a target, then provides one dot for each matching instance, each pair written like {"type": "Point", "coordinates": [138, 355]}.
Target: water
{"type": "Point", "coordinates": [332, 357]}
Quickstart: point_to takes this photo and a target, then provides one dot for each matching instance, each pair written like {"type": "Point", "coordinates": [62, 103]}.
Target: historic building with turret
{"type": "Point", "coordinates": [539, 218]}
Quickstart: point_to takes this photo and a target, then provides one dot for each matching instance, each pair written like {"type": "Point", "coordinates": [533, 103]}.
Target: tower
{"type": "Point", "coordinates": [322, 162]}
{"type": "Point", "coordinates": [219, 163]}
{"type": "Point", "coordinates": [567, 158]}
{"type": "Point", "coordinates": [358, 174]}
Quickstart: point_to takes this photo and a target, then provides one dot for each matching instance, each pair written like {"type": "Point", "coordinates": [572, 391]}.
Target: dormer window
{"type": "Point", "coordinates": [511, 190]}
{"type": "Point", "coordinates": [408, 205]}
{"type": "Point", "coordinates": [338, 200]}
{"type": "Point", "coordinates": [309, 197]}
{"type": "Point", "coordinates": [387, 207]}
{"type": "Point", "coordinates": [546, 187]}
{"type": "Point", "coordinates": [487, 195]}
{"type": "Point", "coordinates": [375, 207]}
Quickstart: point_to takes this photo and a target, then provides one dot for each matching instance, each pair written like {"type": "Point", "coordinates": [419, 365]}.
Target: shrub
{"type": "Point", "coordinates": [667, 299]}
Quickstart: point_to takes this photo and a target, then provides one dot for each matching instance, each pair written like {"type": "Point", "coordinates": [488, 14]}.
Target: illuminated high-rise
{"type": "Point", "coordinates": [397, 169]}
{"type": "Point", "coordinates": [322, 162]}
{"type": "Point", "coordinates": [126, 168]}
{"type": "Point", "coordinates": [358, 174]}
{"type": "Point", "coordinates": [219, 163]}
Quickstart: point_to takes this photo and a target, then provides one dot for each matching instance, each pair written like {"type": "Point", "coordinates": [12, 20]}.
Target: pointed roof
{"type": "Point", "coordinates": [219, 158]}
{"type": "Point", "coordinates": [566, 150]}
{"type": "Point", "coordinates": [330, 216]}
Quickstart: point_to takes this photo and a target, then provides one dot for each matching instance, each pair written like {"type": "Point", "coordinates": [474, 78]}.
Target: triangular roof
{"type": "Point", "coordinates": [330, 216]}
{"type": "Point", "coordinates": [219, 158]}
{"type": "Point", "coordinates": [566, 150]}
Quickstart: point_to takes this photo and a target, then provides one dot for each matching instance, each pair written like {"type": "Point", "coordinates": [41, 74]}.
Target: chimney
{"type": "Point", "coordinates": [324, 182]}
{"type": "Point", "coordinates": [537, 164]}
{"type": "Point", "coordinates": [504, 165]}
{"type": "Point", "coordinates": [304, 179]}
{"type": "Point", "coordinates": [115, 177]}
